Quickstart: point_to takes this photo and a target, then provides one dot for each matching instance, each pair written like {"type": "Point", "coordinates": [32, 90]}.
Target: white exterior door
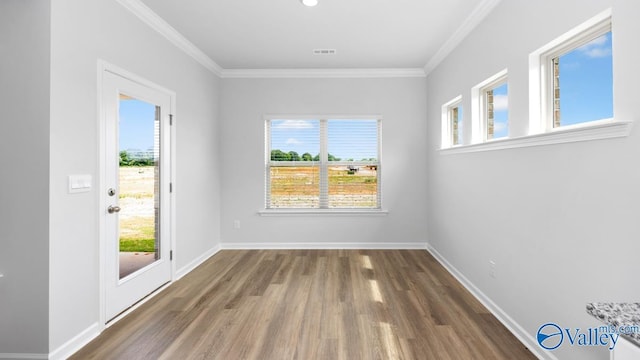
{"type": "Point", "coordinates": [135, 204]}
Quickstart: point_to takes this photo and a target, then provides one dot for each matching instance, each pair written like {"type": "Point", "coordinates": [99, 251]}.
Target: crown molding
{"type": "Point", "coordinates": [158, 24]}
{"type": "Point", "coordinates": [322, 73]}
{"type": "Point", "coordinates": [474, 19]}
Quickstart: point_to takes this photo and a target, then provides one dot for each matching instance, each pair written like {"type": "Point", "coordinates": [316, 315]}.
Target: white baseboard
{"type": "Point", "coordinates": [82, 339]}
{"type": "Point", "coordinates": [324, 246]}
{"type": "Point", "coordinates": [70, 347]}
{"type": "Point", "coordinates": [20, 356]}
{"type": "Point", "coordinates": [518, 331]}
{"type": "Point", "coordinates": [196, 262]}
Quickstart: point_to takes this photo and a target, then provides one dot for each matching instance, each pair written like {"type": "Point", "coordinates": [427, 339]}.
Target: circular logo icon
{"type": "Point", "coordinates": [550, 336]}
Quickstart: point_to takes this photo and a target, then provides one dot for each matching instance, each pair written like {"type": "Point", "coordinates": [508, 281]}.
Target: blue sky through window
{"type": "Point", "coordinates": [136, 125]}
{"type": "Point", "coordinates": [347, 139]}
{"type": "Point", "coordinates": [353, 139]}
{"type": "Point", "coordinates": [501, 111]}
{"type": "Point", "coordinates": [586, 82]}
{"type": "Point", "coordinates": [301, 136]}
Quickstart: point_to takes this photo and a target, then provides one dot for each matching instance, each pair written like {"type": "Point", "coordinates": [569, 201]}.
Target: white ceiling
{"type": "Point", "coordinates": [281, 34]}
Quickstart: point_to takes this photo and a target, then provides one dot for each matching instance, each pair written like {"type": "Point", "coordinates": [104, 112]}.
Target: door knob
{"type": "Point", "coordinates": [113, 209]}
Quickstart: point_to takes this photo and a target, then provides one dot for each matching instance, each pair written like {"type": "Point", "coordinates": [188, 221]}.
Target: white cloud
{"type": "Point", "coordinates": [294, 124]}
{"type": "Point", "coordinates": [500, 102]}
{"type": "Point", "coordinates": [596, 42]}
{"type": "Point", "coordinates": [598, 52]}
{"type": "Point", "coordinates": [596, 48]}
{"type": "Point", "coordinates": [292, 141]}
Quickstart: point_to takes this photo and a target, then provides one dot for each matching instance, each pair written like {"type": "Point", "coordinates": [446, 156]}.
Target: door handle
{"type": "Point", "coordinates": [113, 209]}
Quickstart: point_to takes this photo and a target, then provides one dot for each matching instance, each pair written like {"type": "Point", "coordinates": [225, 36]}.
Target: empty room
{"type": "Point", "coordinates": [319, 179]}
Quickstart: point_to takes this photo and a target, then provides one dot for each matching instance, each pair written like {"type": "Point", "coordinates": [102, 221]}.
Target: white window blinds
{"type": "Point", "coordinates": [323, 164]}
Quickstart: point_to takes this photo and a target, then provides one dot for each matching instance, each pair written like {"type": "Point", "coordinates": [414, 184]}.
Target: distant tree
{"type": "Point", "coordinates": [317, 157]}
{"type": "Point", "coordinates": [124, 158]}
{"type": "Point", "coordinates": [293, 156]}
{"type": "Point", "coordinates": [307, 157]}
{"type": "Point", "coordinates": [279, 155]}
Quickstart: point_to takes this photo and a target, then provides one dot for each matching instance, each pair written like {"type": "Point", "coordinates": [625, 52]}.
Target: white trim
{"type": "Point", "coordinates": [76, 343]}
{"type": "Point", "coordinates": [540, 76]}
{"type": "Point", "coordinates": [158, 24]}
{"type": "Point", "coordinates": [325, 246]}
{"type": "Point", "coordinates": [478, 107]}
{"type": "Point", "coordinates": [104, 66]}
{"type": "Point", "coordinates": [196, 262]}
{"type": "Point", "coordinates": [478, 14]}
{"type": "Point", "coordinates": [322, 73]}
{"type": "Point", "coordinates": [322, 165]}
{"type": "Point", "coordinates": [518, 331]}
{"type": "Point", "coordinates": [266, 117]}
{"type": "Point", "coordinates": [154, 21]}
{"type": "Point", "coordinates": [604, 129]}
{"type": "Point", "coordinates": [323, 212]}
{"type": "Point", "coordinates": [15, 356]}
{"type": "Point", "coordinates": [137, 305]}
{"type": "Point", "coordinates": [447, 130]}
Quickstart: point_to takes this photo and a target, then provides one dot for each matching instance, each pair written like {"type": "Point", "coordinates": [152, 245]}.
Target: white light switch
{"type": "Point", "coordinates": [79, 183]}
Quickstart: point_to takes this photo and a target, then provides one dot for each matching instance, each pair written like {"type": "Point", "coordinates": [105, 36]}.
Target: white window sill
{"type": "Point", "coordinates": [323, 212]}
{"type": "Point", "coordinates": [605, 129]}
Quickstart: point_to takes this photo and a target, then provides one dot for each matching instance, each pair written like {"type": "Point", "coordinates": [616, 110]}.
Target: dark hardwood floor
{"type": "Point", "coordinates": [311, 304]}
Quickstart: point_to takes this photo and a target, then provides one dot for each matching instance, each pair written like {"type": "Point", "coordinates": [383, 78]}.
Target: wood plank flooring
{"type": "Point", "coordinates": [311, 304]}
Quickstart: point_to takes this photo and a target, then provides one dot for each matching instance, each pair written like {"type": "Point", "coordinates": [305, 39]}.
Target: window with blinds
{"type": "Point", "coordinates": [323, 163]}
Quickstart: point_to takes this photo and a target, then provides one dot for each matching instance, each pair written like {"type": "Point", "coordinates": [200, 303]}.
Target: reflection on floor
{"type": "Point", "coordinates": [133, 261]}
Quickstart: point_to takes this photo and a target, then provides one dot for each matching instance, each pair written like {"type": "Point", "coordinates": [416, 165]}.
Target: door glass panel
{"type": "Point", "coordinates": [139, 184]}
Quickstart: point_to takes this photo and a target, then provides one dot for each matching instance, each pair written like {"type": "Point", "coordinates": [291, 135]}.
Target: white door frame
{"type": "Point", "coordinates": [103, 67]}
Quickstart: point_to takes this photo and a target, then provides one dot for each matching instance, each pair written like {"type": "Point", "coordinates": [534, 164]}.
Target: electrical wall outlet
{"type": "Point", "coordinates": [236, 224]}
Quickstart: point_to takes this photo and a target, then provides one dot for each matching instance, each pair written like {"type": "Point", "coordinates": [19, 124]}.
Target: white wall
{"type": "Point", "coordinates": [560, 221]}
{"type": "Point", "coordinates": [24, 176]}
{"type": "Point", "coordinates": [81, 33]}
{"type": "Point", "coordinates": [401, 103]}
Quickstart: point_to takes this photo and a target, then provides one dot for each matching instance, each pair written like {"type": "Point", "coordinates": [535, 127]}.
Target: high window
{"type": "Point", "coordinates": [490, 100]}
{"type": "Point", "coordinates": [572, 77]}
{"type": "Point", "coordinates": [323, 163]}
{"type": "Point", "coordinates": [452, 124]}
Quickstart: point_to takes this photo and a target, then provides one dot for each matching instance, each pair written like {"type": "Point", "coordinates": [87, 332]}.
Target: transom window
{"type": "Point", "coordinates": [571, 78]}
{"type": "Point", "coordinates": [452, 123]}
{"type": "Point", "coordinates": [490, 102]}
{"type": "Point", "coordinates": [496, 100]}
{"type": "Point", "coordinates": [323, 163]}
{"type": "Point", "coordinates": [582, 86]}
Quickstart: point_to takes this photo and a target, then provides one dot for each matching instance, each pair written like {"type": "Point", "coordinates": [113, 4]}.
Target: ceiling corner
{"type": "Point", "coordinates": [158, 24]}
{"type": "Point", "coordinates": [474, 19]}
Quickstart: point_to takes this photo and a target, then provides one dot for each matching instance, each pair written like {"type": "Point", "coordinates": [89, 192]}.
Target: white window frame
{"type": "Point", "coordinates": [479, 108]}
{"type": "Point", "coordinates": [447, 140]}
{"type": "Point", "coordinates": [324, 186]}
{"type": "Point", "coordinates": [540, 133]}
{"type": "Point", "coordinates": [541, 73]}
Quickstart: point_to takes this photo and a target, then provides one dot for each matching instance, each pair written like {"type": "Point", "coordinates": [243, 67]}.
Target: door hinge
{"type": "Point", "coordinates": [170, 187]}
{"type": "Point", "coordinates": [170, 119]}
{"type": "Point", "coordinates": [170, 255]}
